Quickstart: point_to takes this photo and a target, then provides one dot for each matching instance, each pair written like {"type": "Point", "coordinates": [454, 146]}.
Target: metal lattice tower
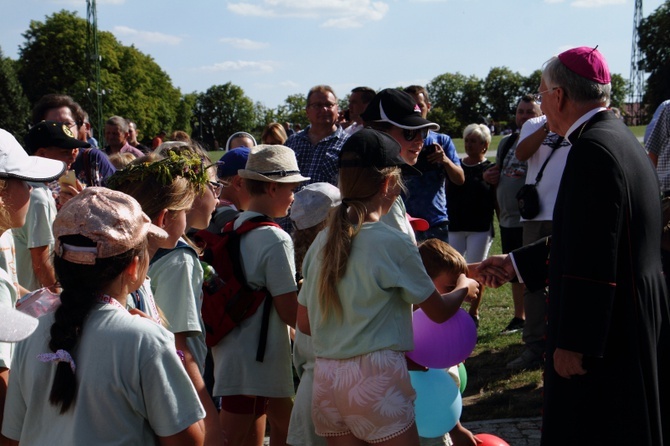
{"type": "Point", "coordinates": [95, 92]}
{"type": "Point", "coordinates": [636, 82]}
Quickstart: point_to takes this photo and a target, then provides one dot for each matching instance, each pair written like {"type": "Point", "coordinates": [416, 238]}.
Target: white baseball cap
{"type": "Point", "coordinates": [313, 203]}
{"type": "Point", "coordinates": [15, 162]}
{"type": "Point", "coordinates": [14, 325]}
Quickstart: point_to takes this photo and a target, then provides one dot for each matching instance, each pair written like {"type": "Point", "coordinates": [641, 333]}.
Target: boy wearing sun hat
{"type": "Point", "coordinates": [246, 385]}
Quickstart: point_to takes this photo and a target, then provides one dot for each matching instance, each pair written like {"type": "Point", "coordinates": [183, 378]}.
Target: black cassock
{"type": "Point", "coordinates": [607, 296]}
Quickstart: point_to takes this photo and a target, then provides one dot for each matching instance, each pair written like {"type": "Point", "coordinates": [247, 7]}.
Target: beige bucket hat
{"type": "Point", "coordinates": [273, 163]}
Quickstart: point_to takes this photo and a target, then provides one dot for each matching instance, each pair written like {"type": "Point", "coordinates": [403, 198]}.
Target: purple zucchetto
{"type": "Point", "coordinates": [586, 62]}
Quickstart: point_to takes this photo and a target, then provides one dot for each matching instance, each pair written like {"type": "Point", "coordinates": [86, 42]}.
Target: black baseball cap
{"type": "Point", "coordinates": [52, 134]}
{"type": "Point", "coordinates": [398, 108]}
{"type": "Point", "coordinates": [374, 149]}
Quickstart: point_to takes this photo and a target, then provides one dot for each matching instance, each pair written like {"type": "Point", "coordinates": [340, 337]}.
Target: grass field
{"type": "Point", "coordinates": [492, 391]}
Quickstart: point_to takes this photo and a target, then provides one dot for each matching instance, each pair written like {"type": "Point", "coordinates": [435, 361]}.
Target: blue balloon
{"type": "Point", "coordinates": [438, 402]}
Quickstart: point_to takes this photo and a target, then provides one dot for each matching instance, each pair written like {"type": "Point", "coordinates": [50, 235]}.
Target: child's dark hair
{"type": "Point", "coordinates": [82, 285]}
{"type": "Point", "coordinates": [438, 256]}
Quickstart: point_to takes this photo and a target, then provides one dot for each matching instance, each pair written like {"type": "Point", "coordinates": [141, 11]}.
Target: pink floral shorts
{"type": "Point", "coordinates": [369, 396]}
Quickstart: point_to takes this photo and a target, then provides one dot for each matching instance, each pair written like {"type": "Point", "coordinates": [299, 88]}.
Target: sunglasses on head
{"type": "Point", "coordinates": [410, 135]}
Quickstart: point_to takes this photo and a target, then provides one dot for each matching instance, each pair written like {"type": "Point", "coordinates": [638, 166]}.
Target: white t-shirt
{"type": "Point", "coordinates": [547, 188]}
{"type": "Point", "coordinates": [131, 385]}
{"type": "Point", "coordinates": [383, 279]}
{"type": "Point", "coordinates": [397, 218]}
{"type": "Point", "coordinates": [267, 261]}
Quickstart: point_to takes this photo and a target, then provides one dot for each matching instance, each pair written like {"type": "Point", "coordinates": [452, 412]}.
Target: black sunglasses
{"type": "Point", "coordinates": [409, 135]}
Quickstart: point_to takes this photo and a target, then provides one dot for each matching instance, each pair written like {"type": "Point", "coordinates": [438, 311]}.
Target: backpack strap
{"type": "Point", "coordinates": [233, 247]}
{"type": "Point", "coordinates": [507, 147]}
{"type": "Point", "coordinates": [163, 252]}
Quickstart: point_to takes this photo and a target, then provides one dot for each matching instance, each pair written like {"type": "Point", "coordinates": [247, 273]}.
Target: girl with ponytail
{"type": "Point", "coordinates": [361, 279]}
{"type": "Point", "coordinates": [92, 373]}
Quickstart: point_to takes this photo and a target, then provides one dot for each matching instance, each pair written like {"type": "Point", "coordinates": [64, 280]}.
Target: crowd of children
{"type": "Point", "coordinates": [122, 360]}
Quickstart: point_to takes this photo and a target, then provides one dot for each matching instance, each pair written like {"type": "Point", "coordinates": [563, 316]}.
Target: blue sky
{"type": "Point", "coordinates": [275, 48]}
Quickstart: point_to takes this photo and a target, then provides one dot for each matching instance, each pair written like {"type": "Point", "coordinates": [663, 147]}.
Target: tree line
{"type": "Point", "coordinates": [54, 59]}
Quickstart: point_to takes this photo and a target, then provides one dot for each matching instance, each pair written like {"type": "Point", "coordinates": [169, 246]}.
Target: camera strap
{"type": "Point", "coordinates": [554, 146]}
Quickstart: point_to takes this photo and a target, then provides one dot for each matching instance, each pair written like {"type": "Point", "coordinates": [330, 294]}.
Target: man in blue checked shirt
{"type": "Point", "coordinates": [317, 148]}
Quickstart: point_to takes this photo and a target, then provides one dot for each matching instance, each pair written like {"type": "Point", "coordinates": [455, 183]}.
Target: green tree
{"type": "Point", "coordinates": [14, 106]}
{"type": "Point", "coordinates": [146, 93]}
{"type": "Point", "coordinates": [293, 110]}
{"type": "Point", "coordinates": [530, 84]}
{"type": "Point", "coordinates": [223, 110]}
{"type": "Point", "coordinates": [457, 100]}
{"type": "Point", "coordinates": [654, 45]}
{"type": "Point", "coordinates": [184, 116]}
{"type": "Point", "coordinates": [263, 116]}
{"type": "Point", "coordinates": [54, 59]}
{"type": "Point", "coordinates": [619, 91]}
{"type": "Point", "coordinates": [503, 88]}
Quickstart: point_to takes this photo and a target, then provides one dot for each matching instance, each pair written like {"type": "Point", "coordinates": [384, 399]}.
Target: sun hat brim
{"type": "Point", "coordinates": [283, 177]}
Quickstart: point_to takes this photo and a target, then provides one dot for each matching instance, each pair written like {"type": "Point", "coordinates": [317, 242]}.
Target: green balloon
{"type": "Point", "coordinates": [463, 375]}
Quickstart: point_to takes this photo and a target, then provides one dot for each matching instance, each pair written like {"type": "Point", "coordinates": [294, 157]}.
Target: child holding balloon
{"type": "Point", "coordinates": [361, 278]}
{"type": "Point", "coordinates": [444, 265]}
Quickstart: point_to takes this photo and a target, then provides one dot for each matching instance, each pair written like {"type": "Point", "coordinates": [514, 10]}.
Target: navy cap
{"type": "Point", "coordinates": [232, 161]}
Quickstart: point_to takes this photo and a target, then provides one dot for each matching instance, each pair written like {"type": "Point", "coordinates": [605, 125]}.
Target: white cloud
{"type": "Point", "coordinates": [240, 65]}
{"type": "Point", "coordinates": [596, 3]}
{"type": "Point", "coordinates": [333, 13]}
{"type": "Point", "coordinates": [83, 2]}
{"type": "Point", "coordinates": [244, 44]}
{"type": "Point", "coordinates": [289, 84]}
{"type": "Point", "coordinates": [554, 1]}
{"type": "Point", "coordinates": [146, 36]}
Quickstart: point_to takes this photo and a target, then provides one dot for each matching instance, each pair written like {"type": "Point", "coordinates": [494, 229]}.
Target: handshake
{"type": "Point", "coordinates": [494, 271]}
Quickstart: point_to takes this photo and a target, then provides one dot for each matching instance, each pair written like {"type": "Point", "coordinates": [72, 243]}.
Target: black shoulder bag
{"type": "Point", "coordinates": [527, 196]}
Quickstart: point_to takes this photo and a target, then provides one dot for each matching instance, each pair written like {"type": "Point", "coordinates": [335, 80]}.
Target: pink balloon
{"type": "Point", "coordinates": [438, 346]}
{"type": "Point", "coordinates": [490, 440]}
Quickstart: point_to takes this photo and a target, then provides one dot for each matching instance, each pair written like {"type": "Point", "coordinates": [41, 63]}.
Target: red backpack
{"type": "Point", "coordinates": [227, 297]}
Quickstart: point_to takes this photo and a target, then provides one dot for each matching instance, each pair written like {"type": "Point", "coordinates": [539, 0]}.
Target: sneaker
{"type": "Point", "coordinates": [528, 360]}
{"type": "Point", "coordinates": [516, 324]}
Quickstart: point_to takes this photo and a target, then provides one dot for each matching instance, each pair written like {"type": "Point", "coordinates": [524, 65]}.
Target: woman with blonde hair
{"type": "Point", "coordinates": [274, 133]}
{"type": "Point", "coordinates": [362, 278]}
{"type": "Point", "coordinates": [472, 203]}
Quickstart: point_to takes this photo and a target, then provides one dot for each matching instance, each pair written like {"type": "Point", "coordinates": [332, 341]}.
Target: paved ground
{"type": "Point", "coordinates": [516, 432]}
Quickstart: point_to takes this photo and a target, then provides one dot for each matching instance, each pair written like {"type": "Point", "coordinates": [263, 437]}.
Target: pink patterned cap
{"type": "Point", "coordinates": [111, 219]}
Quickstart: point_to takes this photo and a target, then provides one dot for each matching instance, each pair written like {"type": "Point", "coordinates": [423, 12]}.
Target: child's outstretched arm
{"type": "Point", "coordinates": [460, 436]}
{"type": "Point", "coordinates": [439, 308]}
